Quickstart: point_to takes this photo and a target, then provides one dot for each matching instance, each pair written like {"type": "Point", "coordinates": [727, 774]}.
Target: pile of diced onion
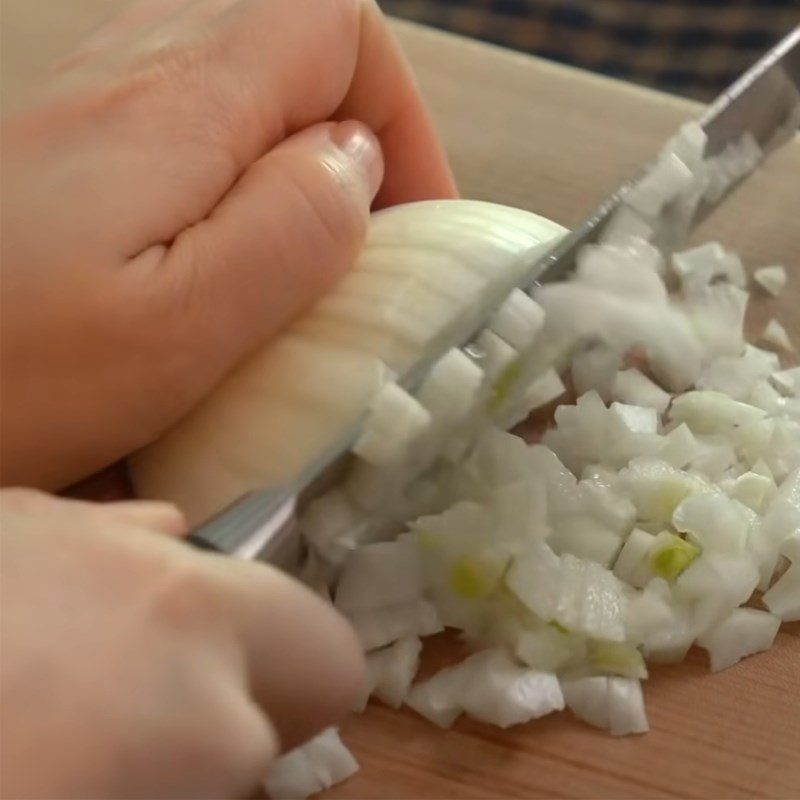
{"type": "Point", "coordinates": [661, 510]}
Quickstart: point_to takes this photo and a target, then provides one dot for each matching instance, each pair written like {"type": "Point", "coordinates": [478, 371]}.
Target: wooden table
{"type": "Point", "coordinates": [527, 133]}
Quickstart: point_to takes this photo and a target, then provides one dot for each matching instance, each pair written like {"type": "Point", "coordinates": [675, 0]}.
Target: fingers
{"type": "Point", "coordinates": [214, 87]}
{"type": "Point", "coordinates": [151, 514]}
{"type": "Point", "coordinates": [305, 667]}
{"type": "Point", "coordinates": [292, 224]}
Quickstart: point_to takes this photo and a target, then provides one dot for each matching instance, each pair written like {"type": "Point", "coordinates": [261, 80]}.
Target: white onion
{"type": "Point", "coordinates": [317, 765]}
{"type": "Point", "coordinates": [638, 527]}
{"type": "Point", "coordinates": [615, 704]}
{"type": "Point", "coordinates": [775, 334]}
{"type": "Point", "coordinates": [488, 686]}
{"type": "Point", "coordinates": [394, 423]}
{"type": "Point", "coordinates": [742, 633]}
{"type": "Point", "coordinates": [772, 278]}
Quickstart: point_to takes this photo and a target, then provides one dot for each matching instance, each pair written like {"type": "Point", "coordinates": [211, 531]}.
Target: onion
{"type": "Point", "coordinates": [776, 335]}
{"type": "Point", "coordinates": [645, 519]}
{"type": "Point", "coordinates": [434, 268]}
{"type": "Point", "coordinates": [488, 686]}
{"type": "Point", "coordinates": [771, 279]}
{"type": "Point", "coordinates": [743, 632]}
{"type": "Point", "coordinates": [615, 704]}
{"type": "Point", "coordinates": [311, 768]}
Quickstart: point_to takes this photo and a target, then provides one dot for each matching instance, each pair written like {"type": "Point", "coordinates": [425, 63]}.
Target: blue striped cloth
{"type": "Point", "coordinates": [689, 47]}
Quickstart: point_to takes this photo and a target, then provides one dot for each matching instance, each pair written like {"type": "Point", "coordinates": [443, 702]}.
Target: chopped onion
{"type": "Point", "coordinates": [771, 279]}
{"type": "Point", "coordinates": [317, 765]}
{"type": "Point", "coordinates": [488, 686]}
{"type": "Point", "coordinates": [391, 670]}
{"type": "Point", "coordinates": [394, 423]}
{"type": "Point", "coordinates": [631, 386]}
{"type": "Point", "coordinates": [615, 704]}
{"type": "Point", "coordinates": [742, 633]}
{"type": "Point", "coordinates": [776, 335]}
{"type": "Point", "coordinates": [518, 320]}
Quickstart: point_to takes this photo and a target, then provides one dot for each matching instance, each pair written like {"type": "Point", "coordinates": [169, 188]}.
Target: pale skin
{"type": "Point", "coordinates": [188, 182]}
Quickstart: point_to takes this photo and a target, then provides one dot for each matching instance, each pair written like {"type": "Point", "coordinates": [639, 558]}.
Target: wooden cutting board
{"type": "Point", "coordinates": [554, 140]}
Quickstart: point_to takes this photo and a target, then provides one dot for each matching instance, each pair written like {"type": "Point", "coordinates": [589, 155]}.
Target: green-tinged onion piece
{"type": "Point", "coordinates": [671, 560]}
{"type": "Point", "coordinates": [617, 658]}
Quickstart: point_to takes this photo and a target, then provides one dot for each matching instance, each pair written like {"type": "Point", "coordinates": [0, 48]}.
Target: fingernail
{"type": "Point", "coordinates": [361, 147]}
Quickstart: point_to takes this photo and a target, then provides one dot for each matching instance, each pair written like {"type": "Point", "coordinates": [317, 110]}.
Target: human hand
{"type": "Point", "coordinates": [136, 667]}
{"type": "Point", "coordinates": [175, 197]}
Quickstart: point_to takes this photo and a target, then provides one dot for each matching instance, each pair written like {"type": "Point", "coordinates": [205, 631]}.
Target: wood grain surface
{"type": "Point", "coordinates": [553, 140]}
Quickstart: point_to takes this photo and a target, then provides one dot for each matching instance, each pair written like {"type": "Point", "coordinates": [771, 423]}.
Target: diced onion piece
{"type": "Point", "coordinates": [637, 419]}
{"type": "Point", "coordinates": [742, 633]}
{"type": "Point", "coordinates": [390, 671]}
{"type": "Point", "coordinates": [500, 692]}
{"type": "Point", "coordinates": [753, 490]}
{"type": "Point", "coordinates": [319, 764]}
{"type": "Point", "coordinates": [438, 698]}
{"type": "Point", "coordinates": [541, 390]}
{"type": "Point", "coordinates": [518, 320]}
{"type": "Point", "coordinates": [670, 555]}
{"type": "Point", "coordinates": [631, 386]}
{"type": "Point", "coordinates": [495, 357]}
{"type": "Point", "coordinates": [632, 564]}
{"type": "Point", "coordinates": [577, 311]}
{"type": "Point", "coordinates": [714, 521]}
{"type": "Point", "coordinates": [716, 318]}
{"type": "Point", "coordinates": [737, 375]}
{"type": "Point", "coordinates": [379, 575]}
{"type": "Point", "coordinates": [657, 489]}
{"type": "Point", "coordinates": [595, 367]}
{"type": "Point", "coordinates": [771, 279]}
{"type": "Point", "coordinates": [377, 627]}
{"type": "Point", "coordinates": [588, 538]}
{"type": "Point", "coordinates": [632, 270]}
{"type": "Point", "coordinates": [624, 225]}
{"type": "Point", "coordinates": [680, 447]}
{"type": "Point", "coordinates": [491, 687]}
{"type": "Point", "coordinates": [787, 381]}
{"type": "Point", "coordinates": [395, 422]}
{"type": "Point", "coordinates": [332, 524]}
{"type": "Point", "coordinates": [716, 584]}
{"type": "Point", "coordinates": [663, 182]}
{"type": "Point", "coordinates": [550, 649]}
{"type": "Point", "coordinates": [698, 267]}
{"type": "Point", "coordinates": [450, 389]}
{"type": "Point", "coordinates": [580, 595]}
{"type": "Point", "coordinates": [615, 704]}
{"type": "Point", "coordinates": [607, 504]}
{"type": "Point", "coordinates": [775, 334]}
{"type": "Point", "coordinates": [783, 599]}
{"type": "Point", "coordinates": [616, 658]}
{"type": "Point", "coordinates": [712, 412]}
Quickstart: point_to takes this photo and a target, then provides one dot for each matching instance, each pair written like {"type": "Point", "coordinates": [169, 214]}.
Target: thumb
{"type": "Point", "coordinates": [282, 235]}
